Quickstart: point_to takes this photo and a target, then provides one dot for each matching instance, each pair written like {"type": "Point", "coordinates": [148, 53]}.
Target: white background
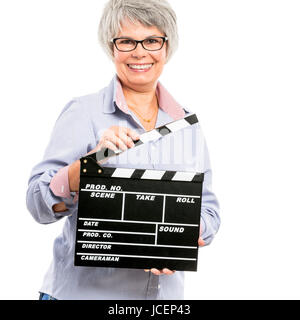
{"type": "Point", "coordinates": [237, 67]}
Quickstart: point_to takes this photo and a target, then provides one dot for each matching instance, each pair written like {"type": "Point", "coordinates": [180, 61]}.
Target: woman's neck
{"type": "Point", "coordinates": [144, 102]}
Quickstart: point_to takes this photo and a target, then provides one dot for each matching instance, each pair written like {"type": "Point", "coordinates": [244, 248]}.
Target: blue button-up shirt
{"type": "Point", "coordinates": [76, 132]}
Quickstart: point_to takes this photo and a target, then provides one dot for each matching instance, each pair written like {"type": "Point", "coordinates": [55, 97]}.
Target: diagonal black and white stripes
{"type": "Point", "coordinates": [153, 174]}
{"type": "Point", "coordinates": [141, 174]}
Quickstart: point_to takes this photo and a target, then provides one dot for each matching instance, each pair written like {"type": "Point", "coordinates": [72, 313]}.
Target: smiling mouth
{"type": "Point", "coordinates": [140, 66]}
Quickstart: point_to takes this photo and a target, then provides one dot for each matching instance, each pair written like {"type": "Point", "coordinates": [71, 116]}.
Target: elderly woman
{"type": "Point", "coordinates": [140, 37]}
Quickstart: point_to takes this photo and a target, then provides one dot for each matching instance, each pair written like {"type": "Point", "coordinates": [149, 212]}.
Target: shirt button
{"type": "Point", "coordinates": [158, 286]}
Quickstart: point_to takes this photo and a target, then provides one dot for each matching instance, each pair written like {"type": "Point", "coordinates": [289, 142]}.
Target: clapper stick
{"type": "Point", "coordinates": [106, 153]}
{"type": "Point", "coordinates": [138, 218]}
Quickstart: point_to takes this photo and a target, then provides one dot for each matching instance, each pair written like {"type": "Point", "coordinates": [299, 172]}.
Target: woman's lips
{"type": "Point", "coordinates": [140, 67]}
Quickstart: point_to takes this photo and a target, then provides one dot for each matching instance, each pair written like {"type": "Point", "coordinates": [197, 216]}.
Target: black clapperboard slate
{"type": "Point", "coordinates": [133, 218]}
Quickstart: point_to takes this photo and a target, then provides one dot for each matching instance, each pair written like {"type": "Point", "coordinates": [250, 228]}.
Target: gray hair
{"type": "Point", "coordinates": [156, 13]}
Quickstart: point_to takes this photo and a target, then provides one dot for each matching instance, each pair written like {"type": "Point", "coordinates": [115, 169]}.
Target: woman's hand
{"type": "Point", "coordinates": [160, 272]}
{"type": "Point", "coordinates": [201, 242]}
{"type": "Point", "coordinates": [113, 138]}
{"type": "Point", "coordinates": [116, 138]}
{"type": "Point", "coordinates": [74, 176]}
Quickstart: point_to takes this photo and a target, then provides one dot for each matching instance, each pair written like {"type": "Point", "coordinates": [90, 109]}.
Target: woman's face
{"type": "Point", "coordinates": [139, 79]}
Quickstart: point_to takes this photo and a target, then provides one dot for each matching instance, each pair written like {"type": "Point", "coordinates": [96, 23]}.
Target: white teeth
{"type": "Point", "coordinates": [140, 67]}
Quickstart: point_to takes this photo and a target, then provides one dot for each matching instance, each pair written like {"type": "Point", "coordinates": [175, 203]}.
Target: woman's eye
{"type": "Point", "coordinates": [126, 41]}
{"type": "Point", "coordinates": [151, 41]}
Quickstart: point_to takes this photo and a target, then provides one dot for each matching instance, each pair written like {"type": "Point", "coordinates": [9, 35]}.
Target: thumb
{"type": "Point", "coordinates": [201, 242]}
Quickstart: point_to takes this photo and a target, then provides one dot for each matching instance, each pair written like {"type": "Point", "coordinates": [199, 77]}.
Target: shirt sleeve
{"type": "Point", "coordinates": [70, 140]}
{"type": "Point", "coordinates": [210, 219]}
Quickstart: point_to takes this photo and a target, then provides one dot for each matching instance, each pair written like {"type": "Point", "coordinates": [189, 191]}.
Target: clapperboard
{"type": "Point", "coordinates": [133, 218]}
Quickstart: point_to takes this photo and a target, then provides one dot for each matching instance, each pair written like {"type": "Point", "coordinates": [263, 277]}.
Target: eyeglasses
{"type": "Point", "coordinates": [150, 44]}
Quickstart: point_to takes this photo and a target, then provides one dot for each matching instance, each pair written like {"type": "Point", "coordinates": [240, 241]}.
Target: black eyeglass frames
{"type": "Point", "coordinates": [151, 44]}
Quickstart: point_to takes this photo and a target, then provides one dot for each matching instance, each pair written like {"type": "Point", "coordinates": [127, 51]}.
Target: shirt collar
{"type": "Point", "coordinates": [114, 97]}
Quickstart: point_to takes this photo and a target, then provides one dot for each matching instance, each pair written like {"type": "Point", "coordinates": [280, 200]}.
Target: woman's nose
{"type": "Point", "coordinates": [139, 51]}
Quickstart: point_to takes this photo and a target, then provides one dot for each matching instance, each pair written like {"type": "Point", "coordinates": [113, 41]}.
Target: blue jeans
{"type": "Point", "coordinates": [45, 296]}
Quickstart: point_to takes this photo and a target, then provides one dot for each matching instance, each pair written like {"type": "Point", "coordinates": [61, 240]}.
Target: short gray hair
{"type": "Point", "coordinates": [156, 13]}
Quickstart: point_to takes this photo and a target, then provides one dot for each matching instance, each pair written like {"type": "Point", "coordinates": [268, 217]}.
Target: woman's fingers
{"type": "Point", "coordinates": [132, 134]}
{"type": "Point", "coordinates": [127, 135]}
{"type": "Point", "coordinates": [121, 137]}
{"type": "Point", "coordinates": [160, 272]}
{"type": "Point", "coordinates": [108, 144]}
{"type": "Point", "coordinates": [156, 271]}
{"type": "Point", "coordinates": [168, 271]}
{"type": "Point", "coordinates": [127, 140]}
{"type": "Point", "coordinates": [110, 138]}
{"type": "Point", "coordinates": [201, 242]}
